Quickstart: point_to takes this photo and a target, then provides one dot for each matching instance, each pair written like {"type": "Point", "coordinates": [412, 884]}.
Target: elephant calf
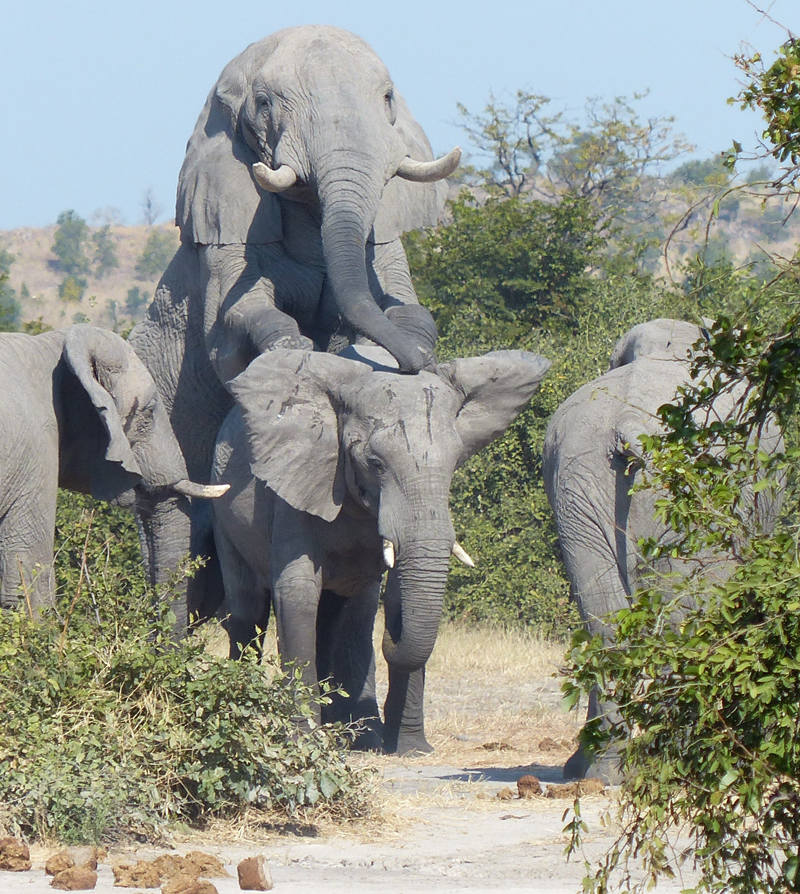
{"type": "Point", "coordinates": [338, 470]}
{"type": "Point", "coordinates": [589, 446]}
{"type": "Point", "coordinates": [79, 410]}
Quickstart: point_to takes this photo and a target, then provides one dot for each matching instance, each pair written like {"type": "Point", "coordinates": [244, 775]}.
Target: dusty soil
{"type": "Point", "coordinates": [442, 826]}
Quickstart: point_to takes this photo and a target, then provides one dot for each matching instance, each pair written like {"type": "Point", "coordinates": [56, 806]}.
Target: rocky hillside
{"type": "Point", "coordinates": [109, 300]}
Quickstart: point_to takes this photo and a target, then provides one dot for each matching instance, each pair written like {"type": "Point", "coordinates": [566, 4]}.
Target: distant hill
{"type": "Point", "coordinates": [35, 277]}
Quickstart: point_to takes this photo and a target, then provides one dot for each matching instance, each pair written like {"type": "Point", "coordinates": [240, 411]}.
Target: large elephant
{"type": "Point", "coordinates": [590, 461]}
{"type": "Point", "coordinates": [303, 170]}
{"type": "Point", "coordinates": [79, 410]}
{"type": "Point", "coordinates": [339, 468]}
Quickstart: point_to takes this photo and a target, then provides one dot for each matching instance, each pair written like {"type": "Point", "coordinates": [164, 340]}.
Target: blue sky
{"type": "Point", "coordinates": [99, 98]}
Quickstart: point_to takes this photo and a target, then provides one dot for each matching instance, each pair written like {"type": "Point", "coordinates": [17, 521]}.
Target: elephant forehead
{"type": "Point", "coordinates": [390, 395]}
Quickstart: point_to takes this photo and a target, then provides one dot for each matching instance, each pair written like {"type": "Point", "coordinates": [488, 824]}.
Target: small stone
{"type": "Point", "coordinates": [14, 855]}
{"type": "Point", "coordinates": [529, 787]}
{"type": "Point", "coordinates": [58, 863]}
{"type": "Point", "coordinates": [186, 883]}
{"type": "Point", "coordinates": [76, 878]}
{"type": "Point", "coordinates": [254, 874]}
{"type": "Point", "coordinates": [505, 794]}
{"type": "Point", "coordinates": [136, 875]}
{"type": "Point", "coordinates": [496, 746]}
{"type": "Point", "coordinates": [549, 744]}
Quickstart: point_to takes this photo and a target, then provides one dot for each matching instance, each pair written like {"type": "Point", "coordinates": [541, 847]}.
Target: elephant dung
{"type": "Point", "coordinates": [136, 875]}
{"type": "Point", "coordinates": [529, 787]}
{"type": "Point", "coordinates": [75, 878]}
{"type": "Point", "coordinates": [254, 874]}
{"type": "Point", "coordinates": [195, 863]}
{"type": "Point", "coordinates": [86, 857]}
{"type": "Point", "coordinates": [14, 855]}
{"type": "Point", "coordinates": [186, 883]}
{"type": "Point", "coordinates": [59, 862]}
{"type": "Point", "coordinates": [576, 789]}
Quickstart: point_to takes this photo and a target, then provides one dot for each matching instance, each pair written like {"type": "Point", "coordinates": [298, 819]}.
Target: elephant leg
{"type": "Point", "coordinates": [404, 723]}
{"type": "Point", "coordinates": [246, 605]}
{"type": "Point", "coordinates": [345, 654]}
{"type": "Point", "coordinates": [26, 565]}
{"type": "Point", "coordinates": [389, 276]}
{"type": "Point", "coordinates": [600, 587]}
{"type": "Point", "coordinates": [253, 316]}
{"type": "Point", "coordinates": [296, 590]}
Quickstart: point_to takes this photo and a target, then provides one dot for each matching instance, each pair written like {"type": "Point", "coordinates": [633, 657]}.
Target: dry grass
{"type": "Point", "coordinates": [492, 694]}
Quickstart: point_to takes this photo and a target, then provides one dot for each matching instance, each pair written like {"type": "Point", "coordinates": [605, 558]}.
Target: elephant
{"type": "Point", "coordinates": [591, 457]}
{"type": "Point", "coordinates": [79, 411]}
{"type": "Point", "coordinates": [340, 467]}
{"type": "Point", "coordinates": [304, 169]}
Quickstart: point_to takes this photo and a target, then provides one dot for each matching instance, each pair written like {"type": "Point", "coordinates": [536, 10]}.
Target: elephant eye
{"type": "Point", "coordinates": [391, 111]}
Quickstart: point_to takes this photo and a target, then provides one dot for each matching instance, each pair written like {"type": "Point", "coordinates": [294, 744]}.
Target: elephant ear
{"type": "Point", "coordinates": [288, 404]}
{"type": "Point", "coordinates": [405, 205]}
{"type": "Point", "coordinates": [218, 202]}
{"type": "Point", "coordinates": [495, 388]}
{"type": "Point", "coordinates": [107, 468]}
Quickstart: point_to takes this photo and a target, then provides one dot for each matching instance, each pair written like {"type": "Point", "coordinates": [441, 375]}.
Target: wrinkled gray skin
{"type": "Point", "coordinates": [590, 461]}
{"type": "Point", "coordinates": [80, 411]}
{"type": "Point", "coordinates": [258, 268]}
{"type": "Point", "coordinates": [327, 459]}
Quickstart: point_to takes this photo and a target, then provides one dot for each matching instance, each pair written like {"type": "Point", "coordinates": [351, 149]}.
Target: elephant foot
{"type": "Point", "coordinates": [576, 766]}
{"type": "Point", "coordinates": [606, 768]}
{"type": "Point", "coordinates": [407, 744]}
{"type": "Point", "coordinates": [369, 737]}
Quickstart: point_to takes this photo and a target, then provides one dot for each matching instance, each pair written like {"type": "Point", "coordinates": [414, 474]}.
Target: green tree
{"type": "Point", "coordinates": [156, 254]}
{"type": "Point", "coordinates": [69, 243]}
{"type": "Point", "coordinates": [72, 288]}
{"type": "Point", "coordinates": [9, 305]}
{"type": "Point", "coordinates": [610, 158]}
{"type": "Point", "coordinates": [499, 269]}
{"type": "Point", "coordinates": [135, 300]}
{"type": "Point", "coordinates": [105, 253]}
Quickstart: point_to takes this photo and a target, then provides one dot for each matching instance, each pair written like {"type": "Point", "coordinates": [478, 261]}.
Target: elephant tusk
{"type": "Point", "coordinates": [203, 491]}
{"type": "Point", "coordinates": [388, 553]}
{"type": "Point", "coordinates": [428, 171]}
{"type": "Point", "coordinates": [274, 181]}
{"type": "Point", "coordinates": [462, 555]}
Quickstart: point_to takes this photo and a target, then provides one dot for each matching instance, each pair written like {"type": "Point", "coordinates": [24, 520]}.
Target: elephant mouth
{"type": "Point", "coordinates": [284, 177]}
{"type": "Point", "coordinates": [458, 552]}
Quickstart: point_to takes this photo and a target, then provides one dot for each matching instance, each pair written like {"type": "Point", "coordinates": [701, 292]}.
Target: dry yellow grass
{"type": "Point", "coordinates": [492, 694]}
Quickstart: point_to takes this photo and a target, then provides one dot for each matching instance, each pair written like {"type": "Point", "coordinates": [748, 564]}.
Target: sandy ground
{"type": "Point", "coordinates": [443, 826]}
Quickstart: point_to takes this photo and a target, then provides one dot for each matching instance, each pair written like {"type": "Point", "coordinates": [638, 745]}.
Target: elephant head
{"type": "Point", "coordinates": [326, 432]}
{"type": "Point", "coordinates": [310, 115]}
{"type": "Point", "coordinates": [661, 339]}
{"type": "Point", "coordinates": [115, 439]}
{"type": "Point", "coordinates": [114, 434]}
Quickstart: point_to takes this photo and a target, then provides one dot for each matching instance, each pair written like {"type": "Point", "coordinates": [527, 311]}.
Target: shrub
{"type": "Point", "coordinates": [156, 254]}
{"type": "Point", "coordinates": [111, 728]}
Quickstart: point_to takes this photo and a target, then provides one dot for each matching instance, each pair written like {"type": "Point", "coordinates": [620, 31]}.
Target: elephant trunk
{"type": "Point", "coordinates": [349, 203]}
{"type": "Point", "coordinates": [164, 534]}
{"type": "Point", "coordinates": [413, 602]}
